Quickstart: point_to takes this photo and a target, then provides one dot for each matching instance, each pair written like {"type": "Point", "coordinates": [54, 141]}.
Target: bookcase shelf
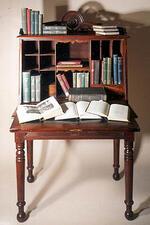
{"type": "Point", "coordinates": [93, 61]}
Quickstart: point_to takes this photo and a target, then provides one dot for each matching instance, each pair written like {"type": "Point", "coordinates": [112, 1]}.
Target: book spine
{"type": "Point", "coordinates": [36, 18]}
{"type": "Point", "coordinates": [115, 69]}
{"type": "Point", "coordinates": [87, 97]}
{"type": "Point", "coordinates": [54, 32]}
{"type": "Point", "coordinates": [86, 77]}
{"type": "Point", "coordinates": [38, 88]}
{"type": "Point", "coordinates": [92, 72]}
{"type": "Point", "coordinates": [108, 70]}
{"type": "Point", "coordinates": [24, 20]}
{"type": "Point", "coordinates": [33, 89]}
{"type": "Point", "coordinates": [74, 79]}
{"type": "Point", "coordinates": [29, 21]}
{"type": "Point", "coordinates": [62, 84]}
{"type": "Point", "coordinates": [54, 28]}
{"type": "Point", "coordinates": [65, 81]}
{"type": "Point", "coordinates": [120, 69]}
{"type": "Point", "coordinates": [79, 80]}
{"type": "Point", "coordinates": [105, 70]}
{"type": "Point", "coordinates": [32, 22]}
{"type": "Point", "coordinates": [40, 23]}
{"type": "Point", "coordinates": [96, 71]}
{"type": "Point", "coordinates": [26, 85]}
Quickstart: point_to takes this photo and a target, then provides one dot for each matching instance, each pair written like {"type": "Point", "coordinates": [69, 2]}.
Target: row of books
{"type": "Point", "coordinates": [31, 87]}
{"type": "Point", "coordinates": [31, 21]}
{"type": "Point", "coordinates": [80, 79]}
{"type": "Point", "coordinates": [106, 30]}
{"type": "Point", "coordinates": [107, 71]}
{"type": "Point", "coordinates": [54, 29]}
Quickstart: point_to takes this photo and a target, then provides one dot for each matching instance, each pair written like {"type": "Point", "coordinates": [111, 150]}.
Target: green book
{"type": "Point", "coordinates": [26, 86]}
{"type": "Point", "coordinates": [33, 88]}
{"type": "Point", "coordinates": [24, 20]}
{"type": "Point", "coordinates": [38, 87]}
{"type": "Point", "coordinates": [36, 23]}
{"type": "Point", "coordinates": [109, 65]}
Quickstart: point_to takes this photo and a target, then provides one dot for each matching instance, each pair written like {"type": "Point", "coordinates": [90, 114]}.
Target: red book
{"type": "Point", "coordinates": [92, 72]}
{"type": "Point", "coordinates": [62, 84]}
{"type": "Point", "coordinates": [71, 62]}
{"type": "Point", "coordinates": [65, 81]}
{"type": "Point", "coordinates": [29, 21]}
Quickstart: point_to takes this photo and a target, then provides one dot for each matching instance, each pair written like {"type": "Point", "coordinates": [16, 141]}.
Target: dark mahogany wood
{"type": "Point", "coordinates": [30, 167]}
{"type": "Point", "coordinates": [73, 130]}
{"type": "Point", "coordinates": [20, 169]}
{"type": "Point", "coordinates": [128, 158]}
{"type": "Point", "coordinates": [116, 165]}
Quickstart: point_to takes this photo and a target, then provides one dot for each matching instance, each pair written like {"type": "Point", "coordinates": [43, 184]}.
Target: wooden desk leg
{"type": "Point", "coordinates": [116, 165]}
{"type": "Point", "coordinates": [128, 157]}
{"type": "Point", "coordinates": [20, 170]}
{"type": "Point", "coordinates": [30, 177]}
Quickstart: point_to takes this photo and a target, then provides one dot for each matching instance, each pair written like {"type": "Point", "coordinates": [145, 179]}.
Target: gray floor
{"type": "Point", "coordinates": [74, 186]}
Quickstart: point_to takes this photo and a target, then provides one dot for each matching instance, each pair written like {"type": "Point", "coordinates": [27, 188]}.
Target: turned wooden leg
{"type": "Point", "coordinates": [116, 165]}
{"type": "Point", "coordinates": [20, 170]}
{"type": "Point", "coordinates": [128, 157]}
{"type": "Point", "coordinates": [30, 177]}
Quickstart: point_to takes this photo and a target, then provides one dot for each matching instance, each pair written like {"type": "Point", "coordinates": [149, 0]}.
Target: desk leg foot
{"type": "Point", "coordinates": [116, 175]}
{"type": "Point", "coordinates": [30, 167]}
{"type": "Point", "coordinates": [128, 157]}
{"type": "Point", "coordinates": [21, 216]}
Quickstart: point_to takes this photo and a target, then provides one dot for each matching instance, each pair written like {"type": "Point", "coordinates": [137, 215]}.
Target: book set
{"type": "Point", "coordinates": [31, 87]}
{"type": "Point", "coordinates": [106, 30]}
{"type": "Point", "coordinates": [54, 27]}
{"type": "Point", "coordinates": [51, 109]}
{"type": "Point", "coordinates": [107, 71]}
{"type": "Point", "coordinates": [32, 21]}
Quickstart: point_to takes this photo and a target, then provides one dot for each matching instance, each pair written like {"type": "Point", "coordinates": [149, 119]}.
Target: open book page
{"type": "Point", "coordinates": [70, 111]}
{"type": "Point", "coordinates": [28, 113]}
{"type": "Point", "coordinates": [118, 112]}
{"type": "Point", "coordinates": [49, 108]}
{"type": "Point", "coordinates": [82, 107]}
{"type": "Point", "coordinates": [46, 109]}
{"type": "Point", "coordinates": [99, 108]}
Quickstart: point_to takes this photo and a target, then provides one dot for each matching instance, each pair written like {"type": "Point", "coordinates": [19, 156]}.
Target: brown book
{"type": "Point", "coordinates": [62, 84]}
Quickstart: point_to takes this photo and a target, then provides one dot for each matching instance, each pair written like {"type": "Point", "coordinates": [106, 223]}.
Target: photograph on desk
{"type": "Point", "coordinates": [44, 110]}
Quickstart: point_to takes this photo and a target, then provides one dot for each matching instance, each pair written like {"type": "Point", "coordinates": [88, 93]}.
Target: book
{"type": "Point", "coordinates": [26, 87]}
{"type": "Point", "coordinates": [77, 110]}
{"type": "Point", "coordinates": [87, 94]}
{"type": "Point", "coordinates": [95, 71]}
{"type": "Point", "coordinates": [115, 68]}
{"type": "Point", "coordinates": [62, 84]}
{"type": "Point", "coordinates": [109, 66]}
{"type": "Point", "coordinates": [38, 88]}
{"type": "Point", "coordinates": [107, 32]}
{"type": "Point", "coordinates": [72, 62]}
{"type": "Point", "coordinates": [46, 109]}
{"type": "Point", "coordinates": [33, 88]}
{"type": "Point", "coordinates": [120, 69]}
{"type": "Point", "coordinates": [116, 112]}
{"type": "Point", "coordinates": [24, 20]}
{"type": "Point", "coordinates": [105, 26]}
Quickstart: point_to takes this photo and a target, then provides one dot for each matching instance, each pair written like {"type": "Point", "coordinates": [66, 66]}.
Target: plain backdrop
{"type": "Point", "coordinates": [74, 179]}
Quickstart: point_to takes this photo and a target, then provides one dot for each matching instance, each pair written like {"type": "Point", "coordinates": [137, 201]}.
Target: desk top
{"type": "Point", "coordinates": [89, 129]}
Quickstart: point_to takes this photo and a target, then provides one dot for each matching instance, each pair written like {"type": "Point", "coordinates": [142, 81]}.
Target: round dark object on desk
{"type": "Point", "coordinates": [73, 20]}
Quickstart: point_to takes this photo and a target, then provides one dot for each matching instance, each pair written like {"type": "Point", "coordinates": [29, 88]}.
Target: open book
{"type": "Point", "coordinates": [46, 109]}
{"type": "Point", "coordinates": [115, 112]}
{"type": "Point", "coordinates": [76, 110]}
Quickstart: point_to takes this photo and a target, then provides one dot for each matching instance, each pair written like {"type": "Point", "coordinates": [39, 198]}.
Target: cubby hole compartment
{"type": "Point", "coordinates": [47, 62]}
{"type": "Point", "coordinates": [47, 78]}
{"type": "Point", "coordinates": [47, 47]}
{"type": "Point", "coordinates": [30, 47]}
{"type": "Point", "coordinates": [116, 48]}
{"type": "Point", "coordinates": [95, 50]}
{"type": "Point", "coordinates": [72, 51]}
{"type": "Point", "coordinates": [105, 48]}
{"type": "Point", "coordinates": [29, 63]}
{"type": "Point", "coordinates": [69, 78]}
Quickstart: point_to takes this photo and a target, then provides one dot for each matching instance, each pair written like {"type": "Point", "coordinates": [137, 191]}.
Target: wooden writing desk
{"type": "Point", "coordinates": [73, 130]}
